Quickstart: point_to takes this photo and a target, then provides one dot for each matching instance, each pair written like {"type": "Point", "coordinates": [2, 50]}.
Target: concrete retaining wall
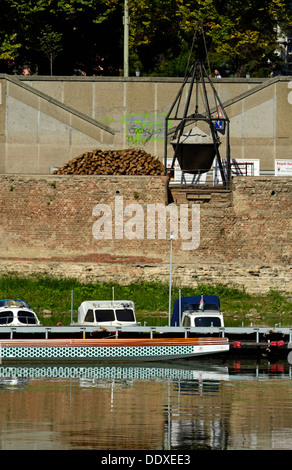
{"type": "Point", "coordinates": [46, 121]}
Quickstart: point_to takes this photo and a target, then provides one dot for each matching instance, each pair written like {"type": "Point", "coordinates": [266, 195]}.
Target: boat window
{"type": "Point", "coordinates": [125, 314]}
{"type": "Point", "coordinates": [207, 321]}
{"type": "Point", "coordinates": [104, 315]}
{"type": "Point", "coordinates": [28, 318]}
{"type": "Point", "coordinates": [6, 317]}
{"type": "Point", "coordinates": [89, 316]}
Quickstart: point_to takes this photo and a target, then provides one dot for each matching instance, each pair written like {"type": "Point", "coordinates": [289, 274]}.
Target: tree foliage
{"type": "Point", "coordinates": [241, 36]}
{"type": "Point", "coordinates": [50, 44]}
{"type": "Point", "coordinates": [87, 35]}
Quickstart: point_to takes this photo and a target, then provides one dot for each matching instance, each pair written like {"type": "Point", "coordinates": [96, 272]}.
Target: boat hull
{"type": "Point", "coordinates": [109, 349]}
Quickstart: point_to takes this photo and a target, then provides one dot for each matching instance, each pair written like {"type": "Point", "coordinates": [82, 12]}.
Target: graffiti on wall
{"type": "Point", "coordinates": [141, 128]}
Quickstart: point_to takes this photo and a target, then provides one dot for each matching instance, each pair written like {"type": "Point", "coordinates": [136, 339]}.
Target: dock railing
{"type": "Point", "coordinates": [83, 330]}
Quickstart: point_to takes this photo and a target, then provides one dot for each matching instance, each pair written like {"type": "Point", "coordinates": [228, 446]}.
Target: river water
{"type": "Point", "coordinates": [200, 404]}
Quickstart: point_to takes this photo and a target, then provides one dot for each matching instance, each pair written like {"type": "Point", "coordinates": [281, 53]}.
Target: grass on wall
{"type": "Point", "coordinates": [50, 298]}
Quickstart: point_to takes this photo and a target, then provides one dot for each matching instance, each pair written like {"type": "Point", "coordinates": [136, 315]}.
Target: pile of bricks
{"type": "Point", "coordinates": [113, 162]}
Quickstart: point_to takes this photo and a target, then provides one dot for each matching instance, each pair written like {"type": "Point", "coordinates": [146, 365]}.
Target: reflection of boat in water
{"type": "Point", "coordinates": [13, 381]}
{"type": "Point", "coordinates": [106, 372]}
{"type": "Point", "coordinates": [182, 371]}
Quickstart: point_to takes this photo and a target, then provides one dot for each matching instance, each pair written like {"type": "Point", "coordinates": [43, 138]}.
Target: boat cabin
{"type": "Point", "coordinates": [16, 312]}
{"type": "Point", "coordinates": [107, 313]}
{"type": "Point", "coordinates": [197, 311]}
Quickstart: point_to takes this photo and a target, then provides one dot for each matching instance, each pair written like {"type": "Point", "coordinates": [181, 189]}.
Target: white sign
{"type": "Point", "coordinates": [283, 167]}
{"type": "Point", "coordinates": [181, 177]}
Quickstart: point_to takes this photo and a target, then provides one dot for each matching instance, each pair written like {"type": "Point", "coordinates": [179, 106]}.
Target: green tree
{"type": "Point", "coordinates": [241, 35]}
{"type": "Point", "coordinates": [91, 34]}
{"type": "Point", "coordinates": [50, 44]}
{"type": "Point", "coordinates": [156, 41]}
{"type": "Point", "coordinates": [9, 47]}
{"type": "Point", "coordinates": [88, 35]}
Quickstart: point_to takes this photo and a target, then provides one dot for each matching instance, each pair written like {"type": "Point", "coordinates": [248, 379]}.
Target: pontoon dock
{"type": "Point", "coordinates": [239, 337]}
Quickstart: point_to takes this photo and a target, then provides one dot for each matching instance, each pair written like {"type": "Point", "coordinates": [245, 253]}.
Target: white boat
{"type": "Point", "coordinates": [105, 313]}
{"type": "Point", "coordinates": [198, 311]}
{"type": "Point", "coordinates": [113, 349]}
{"type": "Point", "coordinates": [16, 312]}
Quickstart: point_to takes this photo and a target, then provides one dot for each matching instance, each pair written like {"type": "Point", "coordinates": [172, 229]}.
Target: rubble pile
{"type": "Point", "coordinates": [113, 162]}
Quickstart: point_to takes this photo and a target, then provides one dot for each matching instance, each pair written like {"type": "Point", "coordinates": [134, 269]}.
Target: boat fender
{"type": "Point", "coordinates": [277, 344]}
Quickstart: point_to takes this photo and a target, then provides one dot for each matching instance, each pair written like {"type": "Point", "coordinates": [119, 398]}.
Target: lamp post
{"type": "Point", "coordinates": [126, 39]}
{"type": "Point", "coordinates": [171, 239]}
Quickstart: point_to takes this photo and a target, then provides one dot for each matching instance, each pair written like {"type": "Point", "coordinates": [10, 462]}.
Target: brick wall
{"type": "Point", "coordinates": [47, 226]}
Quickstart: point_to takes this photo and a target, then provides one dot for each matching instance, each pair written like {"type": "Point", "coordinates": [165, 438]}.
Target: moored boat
{"type": "Point", "coordinates": [127, 349]}
{"type": "Point", "coordinates": [104, 313]}
{"type": "Point", "coordinates": [197, 311]}
{"type": "Point", "coordinates": [16, 312]}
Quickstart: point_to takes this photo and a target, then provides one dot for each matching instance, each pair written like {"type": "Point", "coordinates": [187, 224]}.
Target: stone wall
{"type": "Point", "coordinates": [49, 224]}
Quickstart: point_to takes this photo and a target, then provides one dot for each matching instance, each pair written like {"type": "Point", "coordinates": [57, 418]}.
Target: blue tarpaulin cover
{"type": "Point", "coordinates": [195, 300]}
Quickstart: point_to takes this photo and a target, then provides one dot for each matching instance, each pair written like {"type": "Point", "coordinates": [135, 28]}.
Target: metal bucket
{"type": "Point", "coordinates": [195, 151]}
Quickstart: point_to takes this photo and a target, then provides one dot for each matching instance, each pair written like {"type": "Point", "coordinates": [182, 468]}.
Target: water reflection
{"type": "Point", "coordinates": [188, 371]}
{"type": "Point", "coordinates": [187, 405]}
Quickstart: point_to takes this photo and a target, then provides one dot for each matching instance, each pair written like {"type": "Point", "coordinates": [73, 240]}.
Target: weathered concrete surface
{"type": "Point", "coordinates": [46, 121]}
